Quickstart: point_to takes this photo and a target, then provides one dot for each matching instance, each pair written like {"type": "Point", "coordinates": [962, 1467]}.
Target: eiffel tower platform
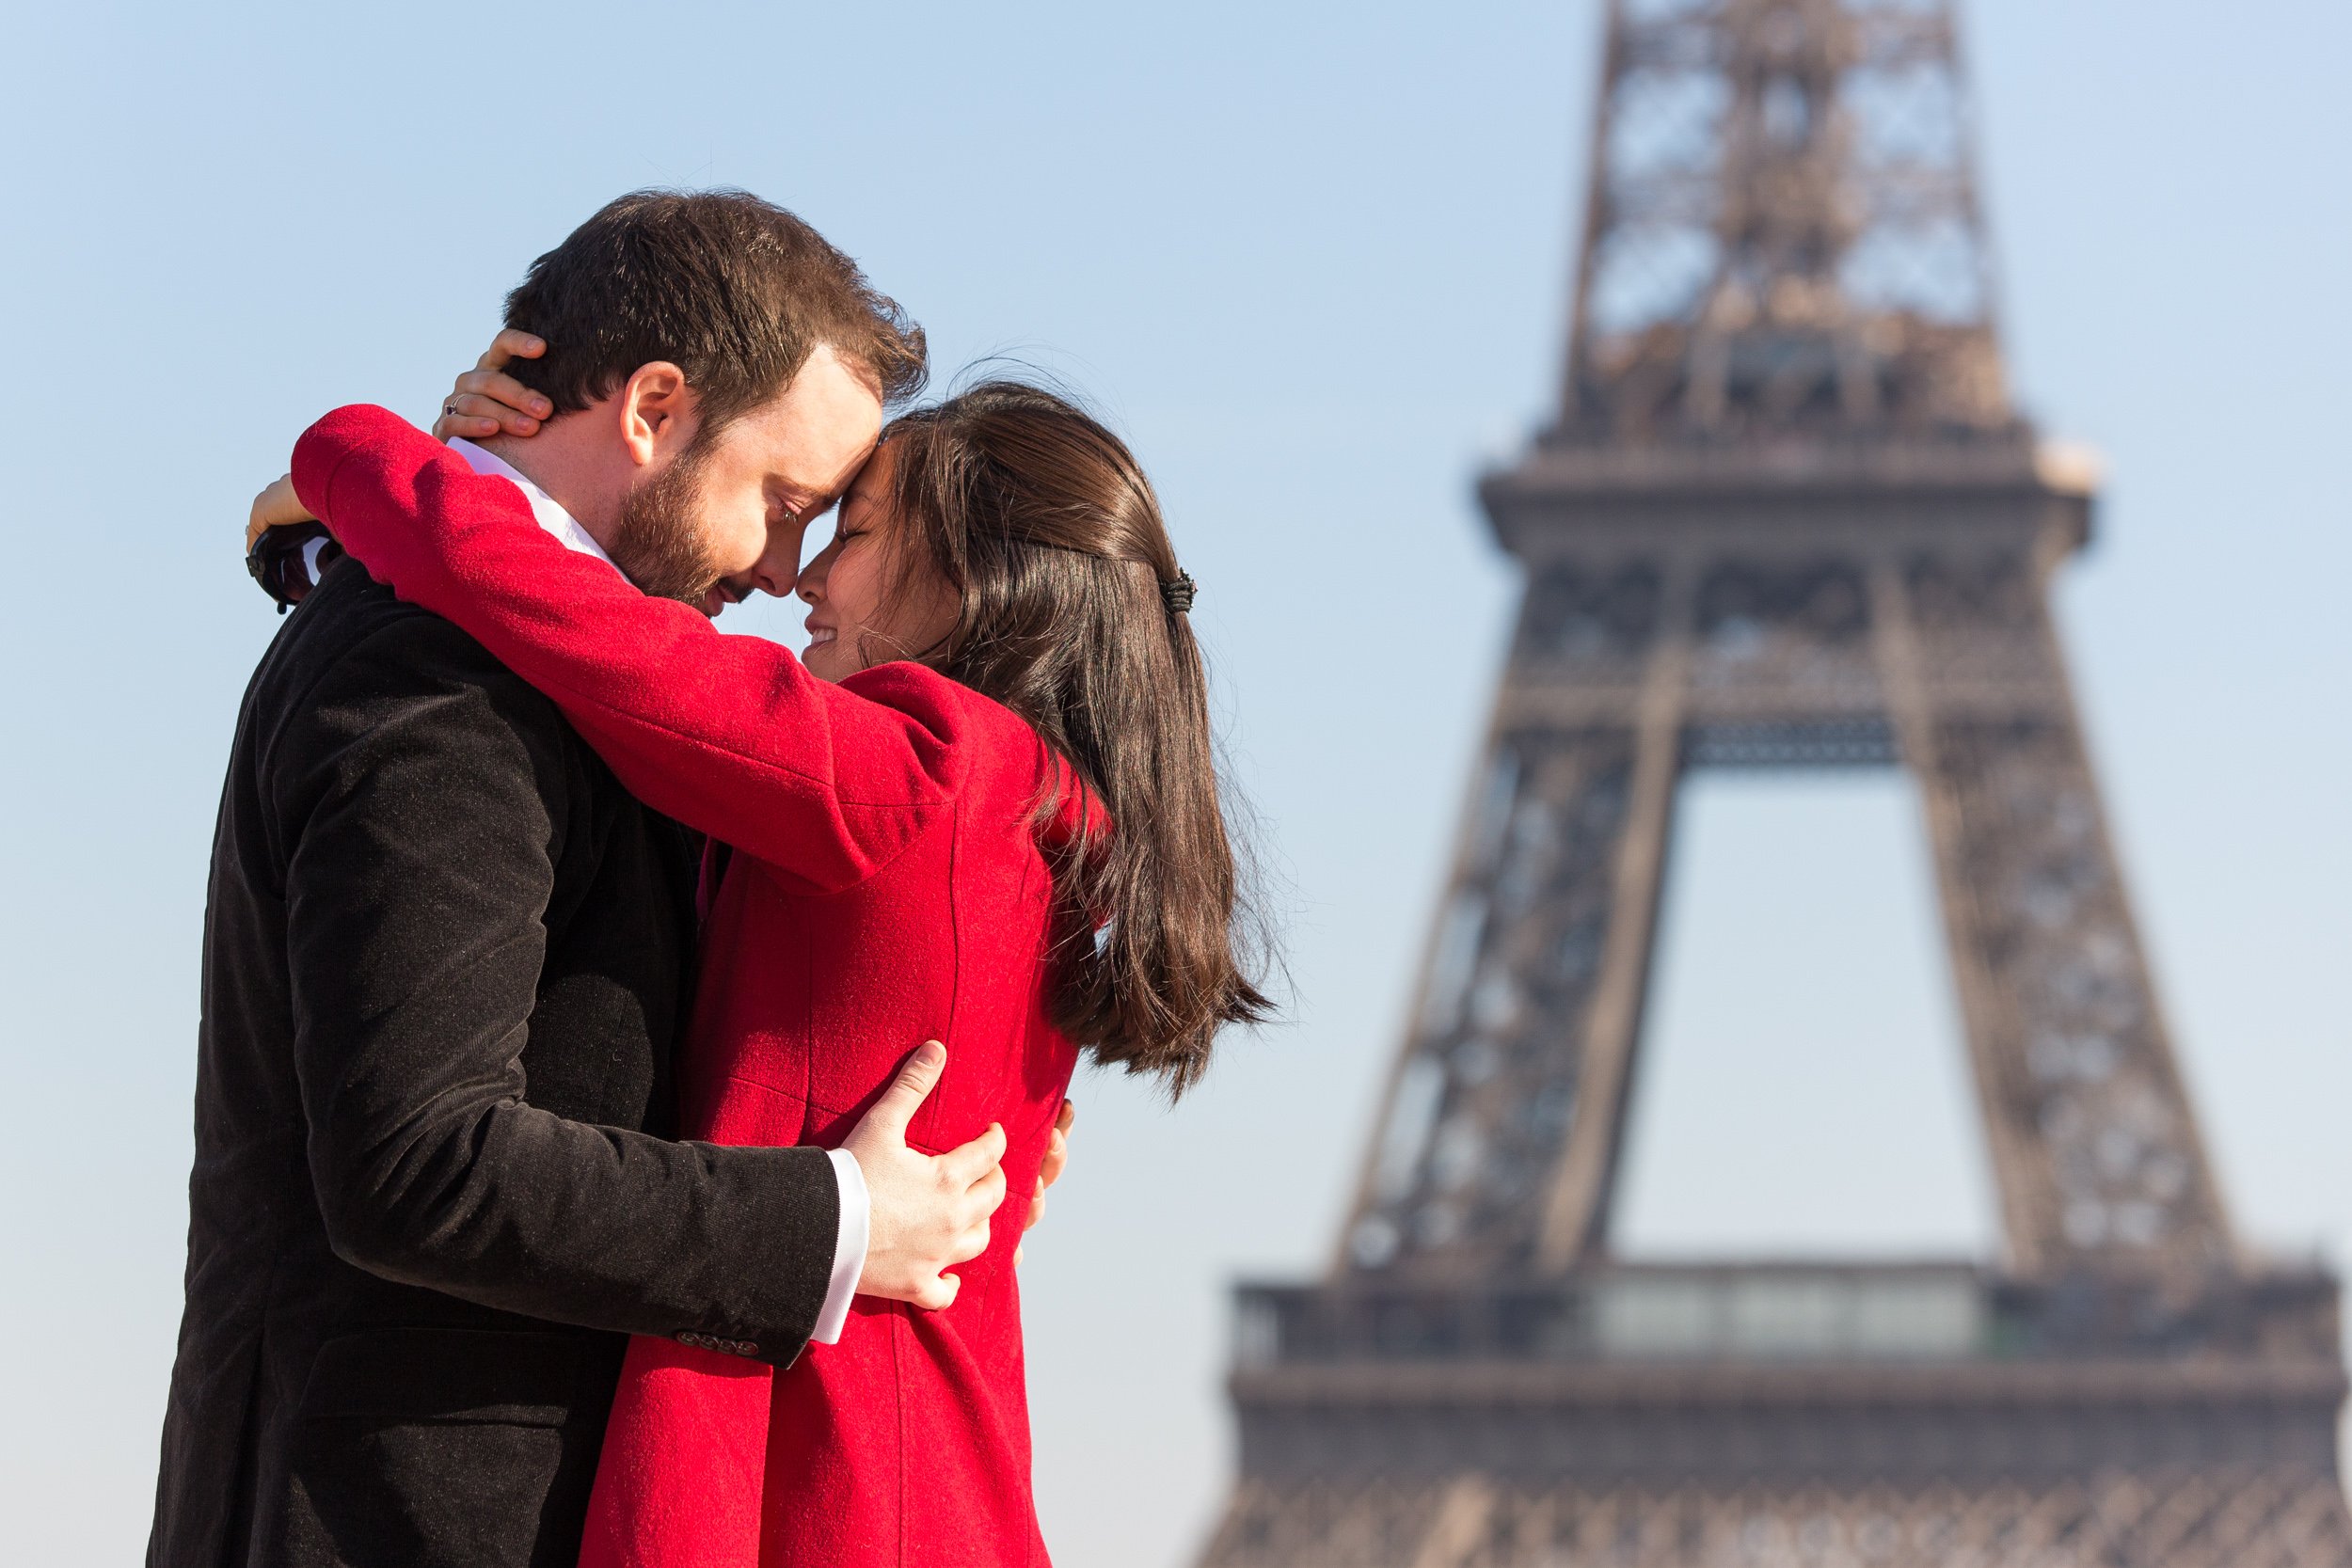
{"type": "Point", "coordinates": [1673, 1417]}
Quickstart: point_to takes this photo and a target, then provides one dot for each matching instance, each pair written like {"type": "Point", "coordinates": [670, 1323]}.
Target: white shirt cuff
{"type": "Point", "coordinates": [848, 1247]}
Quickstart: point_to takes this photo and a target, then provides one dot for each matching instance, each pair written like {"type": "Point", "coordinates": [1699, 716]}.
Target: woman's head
{"type": "Point", "coordinates": [1007, 539]}
{"type": "Point", "coordinates": [872, 593]}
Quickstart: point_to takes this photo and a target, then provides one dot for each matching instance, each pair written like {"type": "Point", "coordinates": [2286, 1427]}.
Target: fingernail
{"type": "Point", "coordinates": [930, 1052]}
{"type": "Point", "coordinates": [542, 407]}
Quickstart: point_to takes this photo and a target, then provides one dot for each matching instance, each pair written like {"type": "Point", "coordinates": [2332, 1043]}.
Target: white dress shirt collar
{"type": "Point", "coordinates": [546, 507]}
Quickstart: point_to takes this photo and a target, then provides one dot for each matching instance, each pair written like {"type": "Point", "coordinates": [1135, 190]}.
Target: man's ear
{"type": "Point", "coordinates": [658, 410]}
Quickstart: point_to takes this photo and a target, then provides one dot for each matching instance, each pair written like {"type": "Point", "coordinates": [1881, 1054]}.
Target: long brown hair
{"type": "Point", "coordinates": [1073, 613]}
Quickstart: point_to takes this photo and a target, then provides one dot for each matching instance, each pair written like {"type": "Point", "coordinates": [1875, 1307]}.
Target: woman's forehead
{"type": "Point", "coordinates": [876, 473]}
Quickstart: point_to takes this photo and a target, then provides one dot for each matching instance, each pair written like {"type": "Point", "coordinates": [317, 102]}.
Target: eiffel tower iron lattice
{"type": "Point", "coordinates": [1787, 518]}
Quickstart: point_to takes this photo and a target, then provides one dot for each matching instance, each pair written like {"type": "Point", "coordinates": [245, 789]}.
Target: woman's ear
{"type": "Point", "coordinates": [659, 412]}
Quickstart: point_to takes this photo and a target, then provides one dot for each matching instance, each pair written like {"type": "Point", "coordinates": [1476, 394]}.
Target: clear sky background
{"type": "Point", "coordinates": [1312, 259]}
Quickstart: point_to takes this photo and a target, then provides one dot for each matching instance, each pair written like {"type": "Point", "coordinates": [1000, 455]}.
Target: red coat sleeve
{"type": "Point", "coordinates": [729, 734]}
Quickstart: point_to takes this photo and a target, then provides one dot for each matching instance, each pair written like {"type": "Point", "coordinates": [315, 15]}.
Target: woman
{"type": "Point", "coordinates": [982, 810]}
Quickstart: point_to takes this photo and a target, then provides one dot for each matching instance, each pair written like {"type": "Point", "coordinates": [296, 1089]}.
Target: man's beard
{"type": "Point", "coordinates": [659, 542]}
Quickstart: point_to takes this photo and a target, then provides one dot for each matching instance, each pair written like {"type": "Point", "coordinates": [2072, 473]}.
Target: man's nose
{"type": "Point", "coordinates": [779, 570]}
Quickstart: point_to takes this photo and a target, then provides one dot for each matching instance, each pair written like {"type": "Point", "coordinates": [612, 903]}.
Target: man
{"type": "Point", "coordinates": [447, 956]}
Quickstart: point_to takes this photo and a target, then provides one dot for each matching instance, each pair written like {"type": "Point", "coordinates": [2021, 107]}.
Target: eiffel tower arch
{"type": "Point", "coordinates": [1787, 516]}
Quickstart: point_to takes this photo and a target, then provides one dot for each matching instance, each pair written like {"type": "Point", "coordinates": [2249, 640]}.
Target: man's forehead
{"type": "Point", "coordinates": [820, 448]}
{"type": "Point", "coordinates": [874, 470]}
{"type": "Point", "coordinates": [830, 389]}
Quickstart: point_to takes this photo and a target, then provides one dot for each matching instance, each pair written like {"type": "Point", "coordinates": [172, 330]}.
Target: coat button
{"type": "Point", "coordinates": [744, 1347]}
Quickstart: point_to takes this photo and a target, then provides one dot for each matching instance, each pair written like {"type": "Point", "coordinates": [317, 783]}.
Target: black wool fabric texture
{"type": "Point", "coordinates": [446, 962]}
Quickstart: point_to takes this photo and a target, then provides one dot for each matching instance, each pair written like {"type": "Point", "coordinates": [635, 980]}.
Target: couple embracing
{"type": "Point", "coordinates": [580, 1174]}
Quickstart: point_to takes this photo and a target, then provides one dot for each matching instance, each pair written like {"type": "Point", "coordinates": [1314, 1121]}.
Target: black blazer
{"type": "Point", "coordinates": [446, 958]}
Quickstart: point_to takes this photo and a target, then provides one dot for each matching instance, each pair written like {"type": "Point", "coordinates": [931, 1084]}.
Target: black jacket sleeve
{"type": "Point", "coordinates": [413, 794]}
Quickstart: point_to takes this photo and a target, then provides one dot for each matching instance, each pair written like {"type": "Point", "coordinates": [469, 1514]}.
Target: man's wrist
{"type": "Point", "coordinates": [849, 1243]}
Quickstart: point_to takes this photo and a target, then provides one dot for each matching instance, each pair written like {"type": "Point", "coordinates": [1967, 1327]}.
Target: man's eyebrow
{"type": "Point", "coordinates": [802, 501]}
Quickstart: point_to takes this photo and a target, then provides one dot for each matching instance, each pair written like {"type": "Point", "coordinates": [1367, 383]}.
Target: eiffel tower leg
{"type": "Point", "coordinates": [2093, 1147]}
{"type": "Point", "coordinates": [1577, 1212]}
{"type": "Point", "coordinates": [1523, 1040]}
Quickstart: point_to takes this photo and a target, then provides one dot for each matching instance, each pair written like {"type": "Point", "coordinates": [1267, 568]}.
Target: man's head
{"type": "Point", "coordinates": [718, 373]}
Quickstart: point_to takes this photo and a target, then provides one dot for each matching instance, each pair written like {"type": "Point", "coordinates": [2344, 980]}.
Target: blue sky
{"type": "Point", "coordinates": [1312, 259]}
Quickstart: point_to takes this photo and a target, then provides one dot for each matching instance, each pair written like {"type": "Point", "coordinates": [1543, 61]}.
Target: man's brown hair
{"type": "Point", "coordinates": [734, 291]}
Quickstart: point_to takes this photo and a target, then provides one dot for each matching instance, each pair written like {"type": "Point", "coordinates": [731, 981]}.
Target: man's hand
{"type": "Point", "coordinates": [929, 1212]}
{"type": "Point", "coordinates": [1057, 1159]}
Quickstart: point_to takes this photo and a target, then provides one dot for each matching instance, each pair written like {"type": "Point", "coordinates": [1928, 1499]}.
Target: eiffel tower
{"type": "Point", "coordinates": [1788, 516]}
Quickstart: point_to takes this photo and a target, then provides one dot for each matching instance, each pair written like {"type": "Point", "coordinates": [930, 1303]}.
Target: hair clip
{"type": "Point", "coordinates": [1179, 593]}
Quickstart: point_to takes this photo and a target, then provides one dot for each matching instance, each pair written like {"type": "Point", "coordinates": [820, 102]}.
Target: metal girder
{"type": "Point", "coordinates": [1866, 628]}
{"type": "Point", "coordinates": [1782, 228]}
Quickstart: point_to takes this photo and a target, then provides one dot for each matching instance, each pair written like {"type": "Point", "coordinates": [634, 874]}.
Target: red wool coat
{"type": "Point", "coordinates": [887, 888]}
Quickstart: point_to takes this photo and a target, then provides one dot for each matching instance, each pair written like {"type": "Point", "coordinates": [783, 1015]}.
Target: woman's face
{"type": "Point", "coordinates": [861, 612]}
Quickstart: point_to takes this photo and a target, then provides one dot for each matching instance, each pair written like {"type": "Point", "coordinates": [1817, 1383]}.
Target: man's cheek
{"type": "Point", "coordinates": [739, 538]}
